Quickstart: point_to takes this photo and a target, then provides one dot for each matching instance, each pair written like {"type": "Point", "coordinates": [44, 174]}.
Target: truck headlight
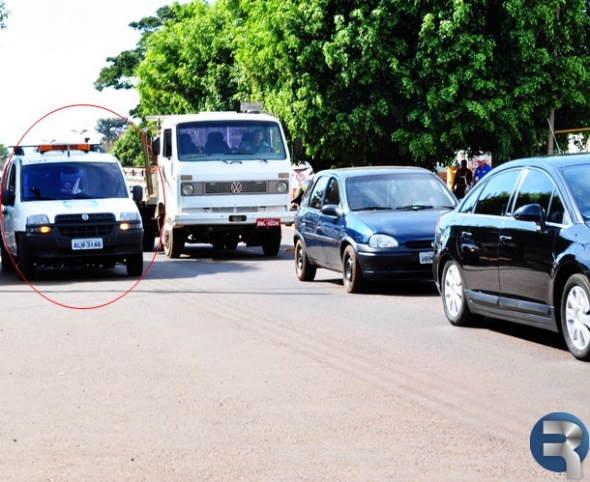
{"type": "Point", "coordinates": [187, 189]}
{"type": "Point", "coordinates": [282, 187]}
{"type": "Point", "coordinates": [130, 216]}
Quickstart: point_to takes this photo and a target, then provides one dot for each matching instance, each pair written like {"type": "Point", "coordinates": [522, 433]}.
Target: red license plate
{"type": "Point", "coordinates": [268, 222]}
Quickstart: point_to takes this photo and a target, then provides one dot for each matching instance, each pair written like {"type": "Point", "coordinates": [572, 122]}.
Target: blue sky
{"type": "Point", "coordinates": [52, 53]}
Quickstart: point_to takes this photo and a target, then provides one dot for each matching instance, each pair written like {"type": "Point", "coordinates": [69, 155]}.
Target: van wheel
{"type": "Point", "coordinates": [135, 265]}
{"type": "Point", "coordinates": [271, 241]}
{"type": "Point", "coordinates": [575, 316]}
{"type": "Point", "coordinates": [7, 264]}
{"type": "Point", "coordinates": [24, 262]}
{"type": "Point", "coordinates": [174, 242]}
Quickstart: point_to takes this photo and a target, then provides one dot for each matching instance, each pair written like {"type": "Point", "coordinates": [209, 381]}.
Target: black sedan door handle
{"type": "Point", "coordinates": [505, 239]}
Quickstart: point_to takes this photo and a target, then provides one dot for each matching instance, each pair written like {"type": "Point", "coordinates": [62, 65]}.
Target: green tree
{"type": "Point", "coordinates": [129, 148]}
{"type": "Point", "coordinates": [189, 65]}
{"type": "Point", "coordinates": [111, 129]}
{"type": "Point", "coordinates": [378, 81]}
{"type": "Point", "coordinates": [3, 14]}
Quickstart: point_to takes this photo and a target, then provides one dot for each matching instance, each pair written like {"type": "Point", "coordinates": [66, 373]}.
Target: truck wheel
{"type": "Point", "coordinates": [149, 236]}
{"type": "Point", "coordinates": [271, 242]}
{"type": "Point", "coordinates": [24, 262]}
{"type": "Point", "coordinates": [173, 242]}
{"type": "Point", "coordinates": [7, 264]}
{"type": "Point", "coordinates": [135, 265]}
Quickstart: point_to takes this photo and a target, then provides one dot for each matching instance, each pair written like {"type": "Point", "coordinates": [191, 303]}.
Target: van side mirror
{"type": "Point", "coordinates": [8, 197]}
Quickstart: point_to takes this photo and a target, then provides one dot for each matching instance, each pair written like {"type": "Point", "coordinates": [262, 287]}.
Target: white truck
{"type": "Point", "coordinates": [220, 178]}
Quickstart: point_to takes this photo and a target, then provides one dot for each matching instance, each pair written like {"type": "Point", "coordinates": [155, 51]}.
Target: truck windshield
{"type": "Point", "coordinates": [72, 180]}
{"type": "Point", "coordinates": [230, 141]}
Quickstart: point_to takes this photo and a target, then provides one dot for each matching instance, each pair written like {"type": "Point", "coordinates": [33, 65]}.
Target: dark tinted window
{"type": "Point", "coordinates": [578, 180]}
{"type": "Point", "coordinates": [494, 197]}
{"type": "Point", "coordinates": [317, 193]}
{"type": "Point", "coordinates": [537, 188]}
{"type": "Point", "coordinates": [332, 193]}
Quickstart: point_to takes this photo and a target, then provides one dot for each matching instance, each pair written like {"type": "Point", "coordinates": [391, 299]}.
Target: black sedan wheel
{"type": "Point", "coordinates": [303, 268]}
{"type": "Point", "coordinates": [453, 296]}
{"type": "Point", "coordinates": [575, 316]}
{"type": "Point", "coordinates": [353, 278]}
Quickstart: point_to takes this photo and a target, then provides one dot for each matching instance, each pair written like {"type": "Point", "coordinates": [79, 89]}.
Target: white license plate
{"type": "Point", "coordinates": [426, 258]}
{"type": "Point", "coordinates": [88, 243]}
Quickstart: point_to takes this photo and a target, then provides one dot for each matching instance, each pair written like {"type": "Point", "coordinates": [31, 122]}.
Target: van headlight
{"type": "Point", "coordinates": [383, 241]}
{"type": "Point", "coordinates": [36, 219]}
{"type": "Point", "coordinates": [130, 216]}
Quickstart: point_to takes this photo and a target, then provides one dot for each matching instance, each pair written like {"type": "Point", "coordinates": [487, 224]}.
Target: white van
{"type": "Point", "coordinates": [68, 205]}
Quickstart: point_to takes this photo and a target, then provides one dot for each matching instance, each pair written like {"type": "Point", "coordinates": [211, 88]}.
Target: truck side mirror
{"type": "Point", "coordinates": [297, 147]}
{"type": "Point", "coordinates": [137, 193]}
{"type": "Point", "coordinates": [156, 146]}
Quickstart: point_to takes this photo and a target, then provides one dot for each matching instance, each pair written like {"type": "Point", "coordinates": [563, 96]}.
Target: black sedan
{"type": "Point", "coordinates": [370, 223]}
{"type": "Point", "coordinates": [517, 248]}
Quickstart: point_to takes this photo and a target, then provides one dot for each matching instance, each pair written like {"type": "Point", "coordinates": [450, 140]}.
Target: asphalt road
{"type": "Point", "coordinates": [223, 366]}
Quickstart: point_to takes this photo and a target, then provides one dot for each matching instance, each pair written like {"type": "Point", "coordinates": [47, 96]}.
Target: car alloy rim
{"type": "Point", "coordinates": [453, 291]}
{"type": "Point", "coordinates": [577, 317]}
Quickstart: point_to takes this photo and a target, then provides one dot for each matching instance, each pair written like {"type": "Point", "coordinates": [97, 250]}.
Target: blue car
{"type": "Point", "coordinates": [370, 224]}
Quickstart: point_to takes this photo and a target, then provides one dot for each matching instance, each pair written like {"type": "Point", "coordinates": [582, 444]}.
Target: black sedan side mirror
{"type": "Point", "coordinates": [533, 213]}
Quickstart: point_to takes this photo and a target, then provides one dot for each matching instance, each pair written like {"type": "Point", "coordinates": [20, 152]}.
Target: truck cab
{"type": "Point", "coordinates": [224, 178]}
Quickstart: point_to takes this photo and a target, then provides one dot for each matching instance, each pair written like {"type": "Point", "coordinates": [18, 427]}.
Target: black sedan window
{"type": "Point", "coordinates": [537, 188]}
{"type": "Point", "coordinates": [578, 179]}
{"type": "Point", "coordinates": [495, 195]}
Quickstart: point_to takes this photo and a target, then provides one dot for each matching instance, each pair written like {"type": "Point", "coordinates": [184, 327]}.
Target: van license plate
{"type": "Point", "coordinates": [426, 258]}
{"type": "Point", "coordinates": [88, 243]}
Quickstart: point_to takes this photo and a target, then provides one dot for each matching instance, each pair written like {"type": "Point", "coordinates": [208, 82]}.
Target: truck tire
{"type": "Point", "coordinates": [7, 264]}
{"type": "Point", "coordinates": [149, 237]}
{"type": "Point", "coordinates": [271, 241]}
{"type": "Point", "coordinates": [173, 242]}
{"type": "Point", "coordinates": [24, 262]}
{"type": "Point", "coordinates": [134, 265]}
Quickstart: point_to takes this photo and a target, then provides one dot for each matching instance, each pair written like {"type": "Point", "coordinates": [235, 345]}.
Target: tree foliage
{"type": "Point", "coordinates": [111, 129]}
{"type": "Point", "coordinates": [3, 14]}
{"type": "Point", "coordinates": [129, 148]}
{"type": "Point", "coordinates": [375, 81]}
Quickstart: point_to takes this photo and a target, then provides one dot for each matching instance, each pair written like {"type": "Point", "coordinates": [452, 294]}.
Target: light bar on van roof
{"type": "Point", "coordinates": [64, 147]}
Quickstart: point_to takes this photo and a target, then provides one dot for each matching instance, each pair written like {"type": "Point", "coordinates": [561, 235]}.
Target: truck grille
{"type": "Point", "coordinates": [244, 187]}
{"type": "Point", "coordinates": [73, 226]}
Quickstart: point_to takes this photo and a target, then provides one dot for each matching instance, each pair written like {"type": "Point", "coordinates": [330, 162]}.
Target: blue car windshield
{"type": "Point", "coordinates": [397, 191]}
{"type": "Point", "coordinates": [72, 180]}
{"type": "Point", "coordinates": [230, 141]}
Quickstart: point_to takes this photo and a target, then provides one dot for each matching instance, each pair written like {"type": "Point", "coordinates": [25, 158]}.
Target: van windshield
{"type": "Point", "coordinates": [231, 141]}
{"type": "Point", "coordinates": [72, 180]}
